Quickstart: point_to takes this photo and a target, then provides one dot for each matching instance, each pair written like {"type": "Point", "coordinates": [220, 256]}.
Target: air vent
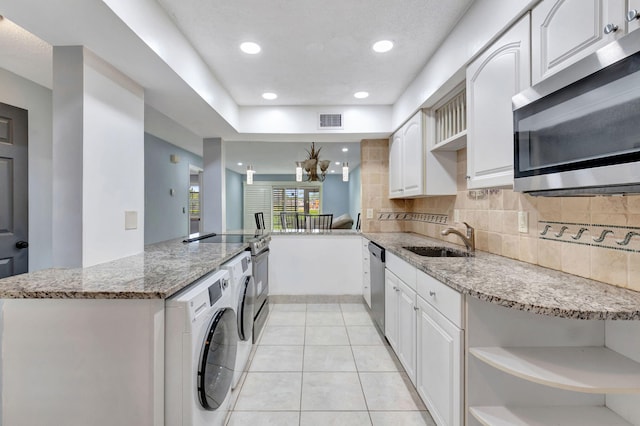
{"type": "Point", "coordinates": [330, 121]}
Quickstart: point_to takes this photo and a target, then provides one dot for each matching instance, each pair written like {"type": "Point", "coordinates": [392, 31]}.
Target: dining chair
{"type": "Point", "coordinates": [358, 223]}
{"type": "Point", "coordinates": [313, 222]}
{"type": "Point", "coordinates": [259, 220]}
{"type": "Point", "coordinates": [289, 221]}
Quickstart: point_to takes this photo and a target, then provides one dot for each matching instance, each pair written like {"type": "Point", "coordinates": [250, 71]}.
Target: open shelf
{"type": "Point", "coordinates": [539, 416]}
{"type": "Point", "coordinates": [454, 143]}
{"type": "Point", "coordinates": [580, 369]}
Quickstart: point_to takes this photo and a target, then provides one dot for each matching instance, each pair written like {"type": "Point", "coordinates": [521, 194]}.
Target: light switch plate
{"type": "Point", "coordinates": [130, 220]}
{"type": "Point", "coordinates": [369, 213]}
{"type": "Point", "coordinates": [456, 215]}
{"type": "Point", "coordinates": [523, 222]}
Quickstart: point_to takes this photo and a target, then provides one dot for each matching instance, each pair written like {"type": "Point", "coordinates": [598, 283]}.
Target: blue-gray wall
{"type": "Point", "coordinates": [355, 195]}
{"type": "Point", "coordinates": [234, 200]}
{"type": "Point", "coordinates": [335, 195]}
{"type": "Point", "coordinates": [164, 218]}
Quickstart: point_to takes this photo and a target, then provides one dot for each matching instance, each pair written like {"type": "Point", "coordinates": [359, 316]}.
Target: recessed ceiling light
{"type": "Point", "coordinates": [269, 96]}
{"type": "Point", "coordinates": [382, 46]}
{"type": "Point", "coordinates": [337, 163]}
{"type": "Point", "coordinates": [239, 164]}
{"type": "Point", "coordinates": [345, 149]}
{"type": "Point", "coordinates": [333, 171]}
{"type": "Point", "coordinates": [361, 95]}
{"type": "Point", "coordinates": [250, 47]}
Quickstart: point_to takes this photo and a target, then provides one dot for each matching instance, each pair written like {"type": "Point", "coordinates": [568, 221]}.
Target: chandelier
{"type": "Point", "coordinates": [311, 165]}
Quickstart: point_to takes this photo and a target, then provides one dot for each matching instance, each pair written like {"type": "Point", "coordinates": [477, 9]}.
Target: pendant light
{"type": "Point", "coordinates": [345, 172]}
{"type": "Point", "coordinates": [250, 173]}
{"type": "Point", "coordinates": [298, 171]}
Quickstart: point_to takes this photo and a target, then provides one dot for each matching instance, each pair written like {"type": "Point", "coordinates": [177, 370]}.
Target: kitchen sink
{"type": "Point", "coordinates": [436, 251]}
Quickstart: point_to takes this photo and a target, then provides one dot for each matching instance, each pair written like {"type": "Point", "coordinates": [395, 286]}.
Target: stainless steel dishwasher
{"type": "Point", "coordinates": [377, 284]}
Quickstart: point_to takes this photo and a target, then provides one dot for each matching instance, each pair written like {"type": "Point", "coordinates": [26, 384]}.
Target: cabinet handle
{"type": "Point", "coordinates": [632, 15]}
{"type": "Point", "coordinates": [395, 288]}
{"type": "Point", "coordinates": [415, 308]}
{"type": "Point", "coordinates": [432, 293]}
{"type": "Point", "coordinates": [610, 28]}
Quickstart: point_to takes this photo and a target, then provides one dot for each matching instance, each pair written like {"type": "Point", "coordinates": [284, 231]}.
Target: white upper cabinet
{"type": "Point", "coordinates": [564, 31]}
{"type": "Point", "coordinates": [492, 79]}
{"type": "Point", "coordinates": [414, 171]}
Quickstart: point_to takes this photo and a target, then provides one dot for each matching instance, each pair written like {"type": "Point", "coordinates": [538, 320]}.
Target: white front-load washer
{"type": "Point", "coordinates": [201, 341]}
{"type": "Point", "coordinates": [243, 290]}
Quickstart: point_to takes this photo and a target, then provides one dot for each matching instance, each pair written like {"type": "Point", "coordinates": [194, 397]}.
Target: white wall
{"type": "Point", "coordinates": [36, 99]}
{"type": "Point", "coordinates": [481, 24]}
{"type": "Point", "coordinates": [163, 127]}
{"type": "Point", "coordinates": [113, 162]}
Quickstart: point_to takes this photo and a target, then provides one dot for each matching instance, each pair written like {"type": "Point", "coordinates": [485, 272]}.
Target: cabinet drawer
{"type": "Point", "coordinates": [402, 269]}
{"type": "Point", "coordinates": [442, 297]}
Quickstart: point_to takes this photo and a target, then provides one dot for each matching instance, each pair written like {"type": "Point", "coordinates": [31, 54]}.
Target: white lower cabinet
{"type": "Point", "coordinates": [439, 369]}
{"type": "Point", "coordinates": [406, 341]}
{"type": "Point", "coordinates": [366, 272]}
{"type": "Point", "coordinates": [391, 283]}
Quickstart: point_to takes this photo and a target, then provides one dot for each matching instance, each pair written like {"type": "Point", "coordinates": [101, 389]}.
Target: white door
{"type": "Point", "coordinates": [439, 370]}
{"type": "Point", "coordinates": [407, 329]}
{"type": "Point", "coordinates": [395, 165]}
{"type": "Point", "coordinates": [492, 80]}
{"type": "Point", "coordinates": [14, 211]}
{"type": "Point", "coordinates": [564, 31]}
{"type": "Point", "coordinates": [413, 157]}
{"type": "Point", "coordinates": [391, 308]}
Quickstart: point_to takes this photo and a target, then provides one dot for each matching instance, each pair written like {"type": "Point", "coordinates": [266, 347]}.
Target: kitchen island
{"type": "Point", "coordinates": [86, 346]}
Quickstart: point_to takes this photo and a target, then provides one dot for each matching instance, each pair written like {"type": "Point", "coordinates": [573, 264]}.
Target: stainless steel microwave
{"type": "Point", "coordinates": [578, 132]}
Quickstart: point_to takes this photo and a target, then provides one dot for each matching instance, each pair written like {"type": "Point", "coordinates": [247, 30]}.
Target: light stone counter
{"type": "Point", "coordinates": [162, 270]}
{"type": "Point", "coordinates": [516, 284]}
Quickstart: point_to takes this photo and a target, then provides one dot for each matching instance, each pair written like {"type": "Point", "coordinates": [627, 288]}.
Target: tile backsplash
{"type": "Point", "coordinates": [593, 237]}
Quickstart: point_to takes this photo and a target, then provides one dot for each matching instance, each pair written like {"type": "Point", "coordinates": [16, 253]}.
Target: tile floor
{"type": "Point", "coordinates": [325, 364]}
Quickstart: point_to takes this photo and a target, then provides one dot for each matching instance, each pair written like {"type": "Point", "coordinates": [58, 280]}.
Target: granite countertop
{"type": "Point", "coordinates": [317, 232]}
{"type": "Point", "coordinates": [160, 271]}
{"type": "Point", "coordinates": [516, 284]}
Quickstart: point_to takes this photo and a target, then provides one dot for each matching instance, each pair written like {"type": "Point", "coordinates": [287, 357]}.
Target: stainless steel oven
{"type": "Point", "coordinates": [575, 133]}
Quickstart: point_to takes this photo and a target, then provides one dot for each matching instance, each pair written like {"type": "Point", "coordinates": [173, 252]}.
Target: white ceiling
{"type": "Point", "coordinates": [315, 52]}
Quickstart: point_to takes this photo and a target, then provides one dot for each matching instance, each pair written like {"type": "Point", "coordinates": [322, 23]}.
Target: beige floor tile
{"type": "Point", "coordinates": [277, 358]}
{"type": "Point", "coordinates": [326, 335]}
{"type": "Point", "coordinates": [328, 358]}
{"type": "Point", "coordinates": [375, 358]}
{"type": "Point", "coordinates": [332, 392]}
{"type": "Point", "coordinates": [270, 392]}
{"type": "Point", "coordinates": [287, 318]}
{"type": "Point", "coordinates": [335, 418]}
{"type": "Point", "coordinates": [264, 418]}
{"type": "Point", "coordinates": [323, 307]}
{"type": "Point", "coordinates": [365, 335]}
{"type": "Point", "coordinates": [324, 318]}
{"type": "Point", "coordinates": [288, 307]}
{"type": "Point", "coordinates": [390, 392]}
{"type": "Point", "coordinates": [404, 418]}
{"type": "Point", "coordinates": [353, 307]}
{"type": "Point", "coordinates": [281, 335]}
{"type": "Point", "coordinates": [357, 318]}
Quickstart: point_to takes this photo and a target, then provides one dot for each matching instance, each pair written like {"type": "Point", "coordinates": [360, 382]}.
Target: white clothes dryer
{"type": "Point", "coordinates": [201, 341]}
{"type": "Point", "coordinates": [243, 290]}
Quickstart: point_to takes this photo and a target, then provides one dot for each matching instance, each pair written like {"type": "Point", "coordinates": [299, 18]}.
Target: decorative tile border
{"type": "Point", "coordinates": [441, 219]}
{"type": "Point", "coordinates": [616, 237]}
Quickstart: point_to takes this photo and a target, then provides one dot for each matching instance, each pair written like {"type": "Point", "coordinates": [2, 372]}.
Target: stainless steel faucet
{"type": "Point", "coordinates": [469, 239]}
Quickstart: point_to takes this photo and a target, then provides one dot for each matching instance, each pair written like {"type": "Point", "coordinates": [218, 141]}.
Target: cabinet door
{"type": "Point", "coordinates": [407, 330]}
{"type": "Point", "coordinates": [635, 23]}
{"type": "Point", "coordinates": [492, 80]}
{"type": "Point", "coordinates": [564, 31]}
{"type": "Point", "coordinates": [391, 291]}
{"type": "Point", "coordinates": [395, 165]}
{"type": "Point", "coordinates": [413, 156]}
{"type": "Point", "coordinates": [439, 369]}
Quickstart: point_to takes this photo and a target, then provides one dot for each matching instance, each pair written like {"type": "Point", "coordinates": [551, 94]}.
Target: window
{"type": "Point", "coordinates": [273, 198]}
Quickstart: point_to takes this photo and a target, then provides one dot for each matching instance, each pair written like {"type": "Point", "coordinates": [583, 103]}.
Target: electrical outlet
{"type": "Point", "coordinates": [369, 213]}
{"type": "Point", "coordinates": [456, 215]}
{"type": "Point", "coordinates": [523, 222]}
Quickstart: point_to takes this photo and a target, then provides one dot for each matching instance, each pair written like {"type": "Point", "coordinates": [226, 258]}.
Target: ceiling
{"type": "Point", "coordinates": [315, 52]}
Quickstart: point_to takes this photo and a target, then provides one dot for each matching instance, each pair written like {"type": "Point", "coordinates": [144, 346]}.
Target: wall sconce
{"type": "Point", "coordinates": [298, 171]}
{"type": "Point", "coordinates": [250, 173]}
{"type": "Point", "coordinates": [345, 172]}
{"type": "Point", "coordinates": [174, 158]}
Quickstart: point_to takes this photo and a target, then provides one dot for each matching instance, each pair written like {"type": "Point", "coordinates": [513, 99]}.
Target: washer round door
{"type": "Point", "coordinates": [246, 305]}
{"type": "Point", "coordinates": [217, 359]}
